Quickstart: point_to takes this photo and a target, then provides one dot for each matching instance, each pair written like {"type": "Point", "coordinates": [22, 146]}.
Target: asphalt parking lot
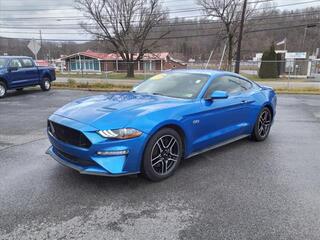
{"type": "Point", "coordinates": [246, 190]}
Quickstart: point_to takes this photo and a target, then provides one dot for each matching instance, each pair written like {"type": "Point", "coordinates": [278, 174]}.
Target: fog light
{"type": "Point", "coordinates": [113, 153]}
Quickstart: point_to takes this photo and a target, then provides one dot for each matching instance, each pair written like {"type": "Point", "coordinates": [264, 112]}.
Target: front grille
{"type": "Point", "coordinates": [74, 159]}
{"type": "Point", "coordinates": [68, 135]}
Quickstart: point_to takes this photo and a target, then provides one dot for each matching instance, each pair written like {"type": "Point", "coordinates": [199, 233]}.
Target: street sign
{"type": "Point", "coordinates": [34, 46]}
{"type": "Point", "coordinates": [296, 55]}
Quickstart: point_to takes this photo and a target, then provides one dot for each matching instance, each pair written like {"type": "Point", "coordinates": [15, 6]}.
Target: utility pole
{"type": "Point", "coordinates": [223, 53]}
{"type": "Point", "coordinates": [238, 57]}
{"type": "Point", "coordinates": [209, 59]}
{"type": "Point", "coordinates": [40, 40]}
{"type": "Point", "coordinates": [305, 34]}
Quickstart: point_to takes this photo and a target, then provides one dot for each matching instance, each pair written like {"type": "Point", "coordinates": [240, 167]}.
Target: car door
{"type": "Point", "coordinates": [248, 91]}
{"type": "Point", "coordinates": [30, 72]}
{"type": "Point", "coordinates": [15, 73]}
{"type": "Point", "coordinates": [220, 120]}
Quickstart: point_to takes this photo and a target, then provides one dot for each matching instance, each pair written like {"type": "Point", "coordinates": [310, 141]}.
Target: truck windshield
{"type": "Point", "coordinates": [3, 62]}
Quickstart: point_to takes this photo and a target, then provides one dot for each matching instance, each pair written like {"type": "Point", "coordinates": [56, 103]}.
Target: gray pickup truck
{"type": "Point", "coordinates": [17, 72]}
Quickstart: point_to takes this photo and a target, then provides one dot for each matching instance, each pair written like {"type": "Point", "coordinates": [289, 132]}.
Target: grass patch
{"type": "Point", "coordinates": [257, 79]}
{"type": "Point", "coordinates": [142, 76]}
{"type": "Point", "coordinates": [71, 84]}
{"type": "Point", "coordinates": [113, 75]}
{"type": "Point", "coordinates": [298, 90]}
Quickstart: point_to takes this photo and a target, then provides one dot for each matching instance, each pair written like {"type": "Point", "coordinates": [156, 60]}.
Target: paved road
{"type": "Point", "coordinates": [245, 190]}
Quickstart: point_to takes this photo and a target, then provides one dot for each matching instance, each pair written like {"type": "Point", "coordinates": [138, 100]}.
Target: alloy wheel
{"type": "Point", "coordinates": [47, 84]}
{"type": "Point", "coordinates": [165, 154]}
{"type": "Point", "coordinates": [2, 90]}
{"type": "Point", "coordinates": [264, 123]}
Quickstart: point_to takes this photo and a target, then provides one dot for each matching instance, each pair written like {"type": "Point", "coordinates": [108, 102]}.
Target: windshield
{"type": "Point", "coordinates": [179, 85]}
{"type": "Point", "coordinates": [3, 62]}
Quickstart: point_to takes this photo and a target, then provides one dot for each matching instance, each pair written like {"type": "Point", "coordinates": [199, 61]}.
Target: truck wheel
{"type": "Point", "coordinates": [46, 84]}
{"type": "Point", "coordinates": [3, 89]}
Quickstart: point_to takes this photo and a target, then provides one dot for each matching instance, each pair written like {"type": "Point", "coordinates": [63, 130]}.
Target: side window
{"type": "Point", "coordinates": [229, 84]}
{"type": "Point", "coordinates": [246, 85]}
{"type": "Point", "coordinates": [26, 63]}
{"type": "Point", "coordinates": [15, 63]}
{"type": "Point", "coordinates": [225, 83]}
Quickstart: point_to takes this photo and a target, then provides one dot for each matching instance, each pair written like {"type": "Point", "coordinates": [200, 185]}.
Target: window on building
{"type": "Point", "coordinates": [73, 66]}
{"type": "Point", "coordinates": [96, 65]}
{"type": "Point", "coordinates": [84, 64]}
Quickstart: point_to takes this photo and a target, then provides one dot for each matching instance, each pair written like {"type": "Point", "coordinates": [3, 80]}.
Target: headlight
{"type": "Point", "coordinates": [123, 133]}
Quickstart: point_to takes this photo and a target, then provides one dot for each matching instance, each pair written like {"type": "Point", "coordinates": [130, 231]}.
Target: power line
{"type": "Point", "coordinates": [63, 9]}
{"type": "Point", "coordinates": [177, 11]}
{"type": "Point", "coordinates": [175, 24]}
{"type": "Point", "coordinates": [53, 8]}
{"type": "Point", "coordinates": [169, 37]}
{"type": "Point", "coordinates": [161, 31]}
{"type": "Point", "coordinates": [27, 11]}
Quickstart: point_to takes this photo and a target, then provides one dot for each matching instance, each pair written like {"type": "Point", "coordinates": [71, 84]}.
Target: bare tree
{"type": "Point", "coordinates": [126, 24]}
{"type": "Point", "coordinates": [228, 12]}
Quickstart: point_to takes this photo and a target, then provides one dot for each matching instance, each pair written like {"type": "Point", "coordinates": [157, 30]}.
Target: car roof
{"type": "Point", "coordinates": [206, 71]}
{"type": "Point", "coordinates": [10, 57]}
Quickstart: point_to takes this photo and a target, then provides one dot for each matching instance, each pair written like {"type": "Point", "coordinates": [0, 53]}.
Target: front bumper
{"type": "Point", "coordinates": [84, 170]}
{"type": "Point", "coordinates": [88, 161]}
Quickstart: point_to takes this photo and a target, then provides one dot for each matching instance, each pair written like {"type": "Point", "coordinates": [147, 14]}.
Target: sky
{"type": "Point", "coordinates": [26, 18]}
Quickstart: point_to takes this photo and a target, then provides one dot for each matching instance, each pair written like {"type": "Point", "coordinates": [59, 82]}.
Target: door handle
{"type": "Point", "coordinates": [247, 101]}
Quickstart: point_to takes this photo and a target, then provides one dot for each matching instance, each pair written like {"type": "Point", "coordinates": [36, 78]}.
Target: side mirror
{"type": "Point", "coordinates": [10, 69]}
{"type": "Point", "coordinates": [219, 95]}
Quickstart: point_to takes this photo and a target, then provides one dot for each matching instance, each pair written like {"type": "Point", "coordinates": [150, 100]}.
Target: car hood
{"type": "Point", "coordinates": [115, 110]}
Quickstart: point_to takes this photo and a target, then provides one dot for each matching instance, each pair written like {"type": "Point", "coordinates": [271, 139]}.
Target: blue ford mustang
{"type": "Point", "coordinates": [170, 117]}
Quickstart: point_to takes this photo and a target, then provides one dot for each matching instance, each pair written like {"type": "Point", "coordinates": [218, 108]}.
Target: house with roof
{"type": "Point", "coordinates": [90, 61]}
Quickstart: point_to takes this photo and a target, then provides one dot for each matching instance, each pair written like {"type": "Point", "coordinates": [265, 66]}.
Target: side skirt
{"type": "Point", "coordinates": [218, 145]}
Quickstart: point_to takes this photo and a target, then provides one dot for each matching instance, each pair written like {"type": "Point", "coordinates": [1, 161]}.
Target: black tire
{"type": "Point", "coordinates": [262, 126]}
{"type": "Point", "coordinates": [45, 84]}
{"type": "Point", "coordinates": [160, 162]}
{"type": "Point", "coordinates": [3, 89]}
{"type": "Point", "coordinates": [19, 89]}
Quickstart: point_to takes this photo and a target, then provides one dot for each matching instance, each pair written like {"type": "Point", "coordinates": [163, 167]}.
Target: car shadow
{"type": "Point", "coordinates": [74, 179]}
{"type": "Point", "coordinates": [14, 93]}
{"type": "Point", "coordinates": [197, 172]}
{"type": "Point", "coordinates": [215, 153]}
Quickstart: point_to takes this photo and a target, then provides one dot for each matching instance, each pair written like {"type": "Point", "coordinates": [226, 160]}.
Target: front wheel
{"type": "Point", "coordinates": [162, 155]}
{"type": "Point", "coordinates": [46, 84]}
{"type": "Point", "coordinates": [262, 127]}
{"type": "Point", "coordinates": [3, 89]}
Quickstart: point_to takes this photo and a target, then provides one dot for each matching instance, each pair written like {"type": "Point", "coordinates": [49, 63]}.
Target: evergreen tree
{"type": "Point", "coordinates": [269, 65]}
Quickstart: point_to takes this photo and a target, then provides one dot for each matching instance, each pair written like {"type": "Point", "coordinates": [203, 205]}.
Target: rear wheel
{"type": "Point", "coordinates": [263, 125]}
{"type": "Point", "coordinates": [3, 89]}
{"type": "Point", "coordinates": [162, 155]}
{"type": "Point", "coordinates": [46, 84]}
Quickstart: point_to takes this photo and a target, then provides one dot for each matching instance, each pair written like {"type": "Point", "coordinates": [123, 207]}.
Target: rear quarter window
{"type": "Point", "coordinates": [3, 62]}
{"type": "Point", "coordinates": [246, 85]}
{"type": "Point", "coordinates": [26, 63]}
